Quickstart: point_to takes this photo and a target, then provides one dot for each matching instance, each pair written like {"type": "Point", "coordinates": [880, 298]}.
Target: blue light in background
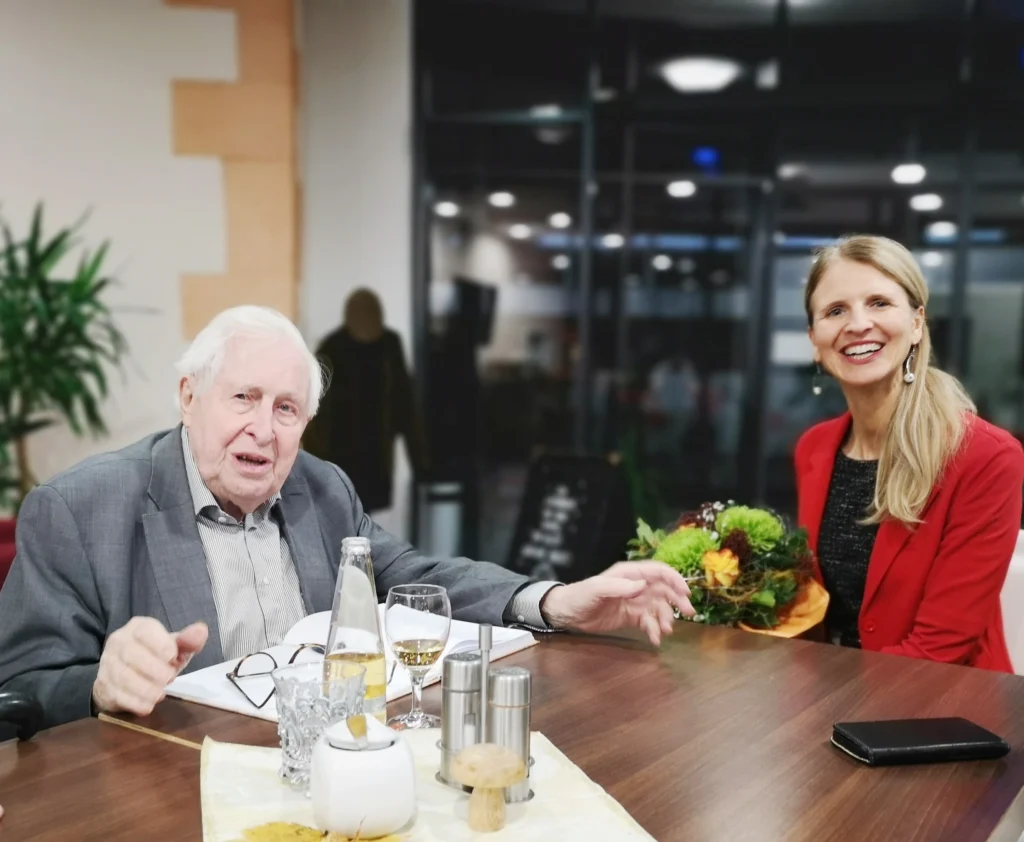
{"type": "Point", "coordinates": [706, 157]}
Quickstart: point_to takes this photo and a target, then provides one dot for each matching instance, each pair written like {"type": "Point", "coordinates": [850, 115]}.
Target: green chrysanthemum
{"type": "Point", "coordinates": [684, 549]}
{"type": "Point", "coordinates": [763, 529]}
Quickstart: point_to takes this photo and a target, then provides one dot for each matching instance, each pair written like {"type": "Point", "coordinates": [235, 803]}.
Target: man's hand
{"type": "Point", "coordinates": [630, 594]}
{"type": "Point", "coordinates": [139, 660]}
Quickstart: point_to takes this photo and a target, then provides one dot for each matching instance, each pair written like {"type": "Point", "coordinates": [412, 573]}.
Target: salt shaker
{"type": "Point", "coordinates": [508, 720]}
{"type": "Point", "coordinates": [461, 710]}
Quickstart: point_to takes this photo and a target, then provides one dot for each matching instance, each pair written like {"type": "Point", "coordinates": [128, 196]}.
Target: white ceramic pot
{"type": "Point", "coordinates": [362, 786]}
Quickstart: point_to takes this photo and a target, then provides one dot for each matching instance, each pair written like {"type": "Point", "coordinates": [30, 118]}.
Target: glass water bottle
{"type": "Point", "coordinates": [355, 634]}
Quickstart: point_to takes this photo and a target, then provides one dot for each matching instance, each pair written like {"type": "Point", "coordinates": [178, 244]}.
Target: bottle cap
{"type": "Point", "coordinates": [355, 544]}
{"type": "Point", "coordinates": [460, 672]}
{"type": "Point", "coordinates": [509, 687]}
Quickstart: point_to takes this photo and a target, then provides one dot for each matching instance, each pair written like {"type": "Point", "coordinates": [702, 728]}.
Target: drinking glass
{"type": "Point", "coordinates": [417, 619]}
{"type": "Point", "coordinates": [307, 703]}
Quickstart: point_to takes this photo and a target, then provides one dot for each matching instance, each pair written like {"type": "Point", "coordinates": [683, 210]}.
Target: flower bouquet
{"type": "Point", "coordinates": [744, 567]}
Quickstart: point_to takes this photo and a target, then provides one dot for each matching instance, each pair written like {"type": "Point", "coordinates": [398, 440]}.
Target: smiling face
{"type": "Point", "coordinates": [863, 324]}
{"type": "Point", "coordinates": [245, 429]}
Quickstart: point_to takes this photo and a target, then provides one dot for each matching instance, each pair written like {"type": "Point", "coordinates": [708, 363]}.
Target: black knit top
{"type": "Point", "coordinates": [844, 545]}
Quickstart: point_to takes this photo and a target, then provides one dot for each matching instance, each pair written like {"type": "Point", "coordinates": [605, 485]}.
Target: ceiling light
{"type": "Point", "coordinates": [700, 74]}
{"type": "Point", "coordinates": [767, 76]}
{"type": "Point", "coordinates": [941, 230]}
{"type": "Point", "coordinates": [931, 259]}
{"type": "Point", "coordinates": [560, 220]}
{"type": "Point", "coordinates": [613, 241]}
{"type": "Point", "coordinates": [605, 94]}
{"type": "Point", "coordinates": [662, 262]}
{"type": "Point", "coordinates": [520, 231]}
{"type": "Point", "coordinates": [687, 265]}
{"type": "Point", "coordinates": [549, 110]}
{"type": "Point", "coordinates": [446, 209]}
{"type": "Point", "coordinates": [926, 202]}
{"type": "Point", "coordinates": [681, 189]}
{"type": "Point", "coordinates": [790, 171]}
{"type": "Point", "coordinates": [560, 261]}
{"type": "Point", "coordinates": [501, 199]}
{"type": "Point", "coordinates": [909, 174]}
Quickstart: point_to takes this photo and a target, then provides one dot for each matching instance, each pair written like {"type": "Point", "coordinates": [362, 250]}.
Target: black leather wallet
{"type": "Point", "coordinates": [899, 741]}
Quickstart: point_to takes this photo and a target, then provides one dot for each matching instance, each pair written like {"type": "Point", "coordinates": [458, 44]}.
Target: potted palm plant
{"type": "Point", "coordinates": [56, 337]}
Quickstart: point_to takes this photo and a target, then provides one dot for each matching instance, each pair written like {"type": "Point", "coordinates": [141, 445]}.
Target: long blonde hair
{"type": "Point", "coordinates": [928, 424]}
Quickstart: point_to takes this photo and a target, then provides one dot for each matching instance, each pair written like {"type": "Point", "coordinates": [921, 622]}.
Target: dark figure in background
{"type": "Point", "coordinates": [369, 401]}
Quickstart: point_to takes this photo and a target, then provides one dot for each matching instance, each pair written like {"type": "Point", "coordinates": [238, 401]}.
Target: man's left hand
{"type": "Point", "coordinates": [630, 594]}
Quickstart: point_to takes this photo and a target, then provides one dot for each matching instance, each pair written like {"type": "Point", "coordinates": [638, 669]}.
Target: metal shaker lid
{"type": "Point", "coordinates": [509, 687]}
{"type": "Point", "coordinates": [460, 672]}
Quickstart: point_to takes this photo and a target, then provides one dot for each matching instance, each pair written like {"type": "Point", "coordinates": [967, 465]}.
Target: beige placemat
{"type": "Point", "coordinates": [240, 789]}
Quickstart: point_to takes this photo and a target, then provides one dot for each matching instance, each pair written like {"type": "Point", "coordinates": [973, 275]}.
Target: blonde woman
{"type": "Point", "coordinates": [911, 501]}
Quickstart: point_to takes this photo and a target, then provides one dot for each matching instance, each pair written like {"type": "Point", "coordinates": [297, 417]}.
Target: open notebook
{"type": "Point", "coordinates": [210, 686]}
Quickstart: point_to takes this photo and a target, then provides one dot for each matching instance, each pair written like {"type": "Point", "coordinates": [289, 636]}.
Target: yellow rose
{"type": "Point", "coordinates": [720, 567]}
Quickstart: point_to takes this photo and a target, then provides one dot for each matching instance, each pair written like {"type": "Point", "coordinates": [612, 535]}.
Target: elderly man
{"type": "Point", "coordinates": [209, 541]}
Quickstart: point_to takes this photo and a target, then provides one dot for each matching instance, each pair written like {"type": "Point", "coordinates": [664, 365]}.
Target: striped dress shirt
{"type": "Point", "coordinates": [255, 585]}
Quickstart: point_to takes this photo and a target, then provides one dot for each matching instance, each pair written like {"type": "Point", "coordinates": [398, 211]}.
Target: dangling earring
{"type": "Point", "coordinates": [816, 380]}
{"type": "Point", "coordinates": [909, 376]}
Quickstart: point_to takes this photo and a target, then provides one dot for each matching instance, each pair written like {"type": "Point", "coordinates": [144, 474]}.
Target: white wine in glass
{"type": "Point", "coordinates": [417, 620]}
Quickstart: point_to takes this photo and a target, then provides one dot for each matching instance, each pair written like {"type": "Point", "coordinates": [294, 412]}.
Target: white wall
{"type": "Point", "coordinates": [85, 123]}
{"type": "Point", "coordinates": [356, 168]}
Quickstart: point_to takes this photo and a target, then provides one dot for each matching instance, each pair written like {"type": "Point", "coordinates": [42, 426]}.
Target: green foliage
{"type": "Point", "coordinates": [762, 528]}
{"type": "Point", "coordinates": [56, 337]}
{"type": "Point", "coordinates": [646, 542]}
{"type": "Point", "coordinates": [684, 549]}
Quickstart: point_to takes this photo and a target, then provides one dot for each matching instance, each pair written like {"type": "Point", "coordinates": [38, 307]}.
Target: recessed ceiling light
{"type": "Point", "coordinates": [681, 189]}
{"type": "Point", "coordinates": [767, 75]}
{"type": "Point", "coordinates": [926, 202]}
{"type": "Point", "coordinates": [700, 74]}
{"type": "Point", "coordinates": [942, 230]}
{"type": "Point", "coordinates": [446, 209]}
{"type": "Point", "coordinates": [662, 262]}
{"type": "Point", "coordinates": [613, 241]}
{"type": "Point", "coordinates": [909, 174]}
{"type": "Point", "coordinates": [560, 261]}
{"type": "Point", "coordinates": [932, 259]}
{"type": "Point", "coordinates": [502, 199]}
{"type": "Point", "coordinates": [520, 231]}
{"type": "Point", "coordinates": [548, 110]}
{"type": "Point", "coordinates": [560, 220]}
{"type": "Point", "coordinates": [789, 171]}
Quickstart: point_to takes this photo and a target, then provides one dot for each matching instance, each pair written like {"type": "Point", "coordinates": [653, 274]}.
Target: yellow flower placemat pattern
{"type": "Point", "coordinates": [241, 791]}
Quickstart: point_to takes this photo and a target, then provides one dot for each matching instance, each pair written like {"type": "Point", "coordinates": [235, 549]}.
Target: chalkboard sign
{"type": "Point", "coordinates": [574, 520]}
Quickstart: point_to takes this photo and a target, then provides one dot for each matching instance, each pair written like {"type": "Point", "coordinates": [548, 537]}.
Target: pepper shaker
{"type": "Point", "coordinates": [461, 709]}
{"type": "Point", "coordinates": [508, 720]}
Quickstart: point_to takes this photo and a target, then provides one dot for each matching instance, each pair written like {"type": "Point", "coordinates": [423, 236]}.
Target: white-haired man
{"type": "Point", "coordinates": [209, 541]}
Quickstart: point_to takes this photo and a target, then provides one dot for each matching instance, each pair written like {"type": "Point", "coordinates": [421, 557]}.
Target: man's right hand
{"type": "Point", "coordinates": [139, 660]}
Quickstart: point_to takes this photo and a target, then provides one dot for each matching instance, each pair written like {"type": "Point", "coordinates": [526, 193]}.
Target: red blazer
{"type": "Point", "coordinates": [933, 591]}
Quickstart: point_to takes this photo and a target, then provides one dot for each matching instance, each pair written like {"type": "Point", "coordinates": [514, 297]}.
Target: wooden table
{"type": "Point", "coordinates": [722, 735]}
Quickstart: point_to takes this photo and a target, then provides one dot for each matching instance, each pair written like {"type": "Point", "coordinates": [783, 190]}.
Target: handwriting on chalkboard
{"type": "Point", "coordinates": [546, 548]}
{"type": "Point", "coordinates": [569, 520]}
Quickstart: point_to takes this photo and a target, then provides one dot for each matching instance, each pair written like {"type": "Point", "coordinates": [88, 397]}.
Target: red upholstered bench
{"type": "Point", "coordinates": [6, 547]}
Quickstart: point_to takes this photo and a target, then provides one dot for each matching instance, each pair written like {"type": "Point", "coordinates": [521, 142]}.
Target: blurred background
{"type": "Point", "coordinates": [587, 222]}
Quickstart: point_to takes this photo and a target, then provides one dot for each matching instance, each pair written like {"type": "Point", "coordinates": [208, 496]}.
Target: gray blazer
{"type": "Point", "coordinates": [115, 537]}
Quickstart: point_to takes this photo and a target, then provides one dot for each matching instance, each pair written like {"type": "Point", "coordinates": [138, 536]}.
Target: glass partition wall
{"type": "Point", "coordinates": [617, 206]}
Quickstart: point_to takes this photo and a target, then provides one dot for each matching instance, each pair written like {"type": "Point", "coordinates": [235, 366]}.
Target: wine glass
{"type": "Point", "coordinates": [417, 619]}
